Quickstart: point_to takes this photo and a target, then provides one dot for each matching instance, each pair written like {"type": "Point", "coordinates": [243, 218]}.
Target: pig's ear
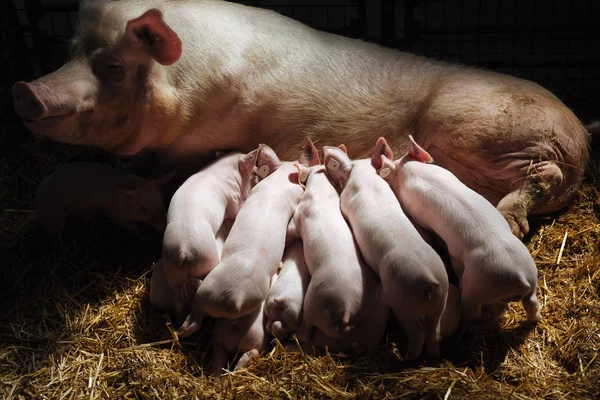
{"type": "Point", "coordinates": [343, 148]}
{"type": "Point", "coordinates": [388, 168]}
{"type": "Point", "coordinates": [267, 161]}
{"type": "Point", "coordinates": [302, 175]}
{"type": "Point", "coordinates": [381, 149]}
{"type": "Point", "coordinates": [248, 162]}
{"type": "Point", "coordinates": [128, 194]}
{"type": "Point", "coordinates": [310, 155]}
{"type": "Point", "coordinates": [163, 179]}
{"type": "Point", "coordinates": [151, 32]}
{"type": "Point", "coordinates": [417, 152]}
{"type": "Point", "coordinates": [337, 165]}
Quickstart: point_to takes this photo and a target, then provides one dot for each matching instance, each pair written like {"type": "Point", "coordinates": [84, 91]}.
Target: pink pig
{"type": "Point", "coordinates": [493, 265]}
{"type": "Point", "coordinates": [252, 252]}
{"type": "Point", "coordinates": [286, 297]}
{"type": "Point", "coordinates": [197, 211]}
{"type": "Point", "coordinates": [88, 188]}
{"type": "Point", "coordinates": [163, 297]}
{"type": "Point", "coordinates": [245, 334]}
{"type": "Point", "coordinates": [414, 279]}
{"type": "Point", "coordinates": [344, 299]}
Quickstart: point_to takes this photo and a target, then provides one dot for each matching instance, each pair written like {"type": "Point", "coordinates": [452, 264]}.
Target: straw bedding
{"type": "Point", "coordinates": [77, 323]}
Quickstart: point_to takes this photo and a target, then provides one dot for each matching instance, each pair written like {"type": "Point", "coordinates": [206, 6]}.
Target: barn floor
{"type": "Point", "coordinates": [77, 323]}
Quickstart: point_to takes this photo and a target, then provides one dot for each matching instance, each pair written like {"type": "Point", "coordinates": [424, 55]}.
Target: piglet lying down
{"type": "Point", "coordinates": [89, 188]}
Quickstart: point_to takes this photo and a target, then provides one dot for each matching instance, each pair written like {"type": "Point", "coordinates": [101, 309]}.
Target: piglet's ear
{"type": "Point", "coordinates": [267, 161]}
{"type": "Point", "coordinates": [164, 179]}
{"type": "Point", "coordinates": [310, 155]}
{"type": "Point", "coordinates": [417, 152]}
{"type": "Point", "coordinates": [343, 148]}
{"type": "Point", "coordinates": [388, 168]}
{"type": "Point", "coordinates": [381, 149]}
{"type": "Point", "coordinates": [337, 165]}
{"type": "Point", "coordinates": [151, 32]}
{"type": "Point", "coordinates": [248, 162]}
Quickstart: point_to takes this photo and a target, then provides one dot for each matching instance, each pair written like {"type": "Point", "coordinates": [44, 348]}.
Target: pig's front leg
{"type": "Point", "coordinates": [530, 196]}
{"type": "Point", "coordinates": [245, 359]}
{"type": "Point", "coordinates": [161, 296]}
{"type": "Point", "coordinates": [219, 360]}
{"type": "Point", "coordinates": [415, 332]}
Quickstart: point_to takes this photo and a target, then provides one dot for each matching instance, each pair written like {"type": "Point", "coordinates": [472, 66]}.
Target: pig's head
{"type": "Point", "coordinates": [115, 92]}
{"type": "Point", "coordinates": [144, 202]}
{"type": "Point", "coordinates": [266, 161]}
{"type": "Point", "coordinates": [309, 158]}
{"type": "Point", "coordinates": [338, 165]}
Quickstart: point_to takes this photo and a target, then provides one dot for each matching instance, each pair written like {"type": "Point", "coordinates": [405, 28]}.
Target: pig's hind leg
{"type": "Point", "coordinates": [532, 194]}
{"type": "Point", "coordinates": [532, 307]}
{"type": "Point", "coordinates": [415, 332]}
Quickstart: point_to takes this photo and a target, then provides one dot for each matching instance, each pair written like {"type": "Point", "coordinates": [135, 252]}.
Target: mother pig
{"type": "Point", "coordinates": [185, 78]}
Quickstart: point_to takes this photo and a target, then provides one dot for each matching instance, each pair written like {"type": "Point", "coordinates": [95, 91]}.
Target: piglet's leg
{"type": "Point", "coordinates": [219, 361]}
{"type": "Point", "coordinates": [161, 296]}
{"type": "Point", "coordinates": [532, 307]}
{"type": "Point", "coordinates": [245, 359]}
{"type": "Point", "coordinates": [531, 195]}
{"type": "Point", "coordinates": [416, 337]}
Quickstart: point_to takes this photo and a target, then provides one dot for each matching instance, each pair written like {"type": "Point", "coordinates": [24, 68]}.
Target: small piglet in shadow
{"type": "Point", "coordinates": [89, 188]}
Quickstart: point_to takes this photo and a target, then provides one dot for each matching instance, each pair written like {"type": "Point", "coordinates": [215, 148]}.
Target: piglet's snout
{"type": "Point", "coordinates": [28, 105]}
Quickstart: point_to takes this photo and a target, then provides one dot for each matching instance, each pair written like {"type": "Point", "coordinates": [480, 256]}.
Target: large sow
{"type": "Point", "coordinates": [183, 79]}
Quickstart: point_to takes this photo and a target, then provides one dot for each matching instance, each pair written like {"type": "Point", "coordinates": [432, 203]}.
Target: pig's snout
{"type": "Point", "coordinates": [27, 104]}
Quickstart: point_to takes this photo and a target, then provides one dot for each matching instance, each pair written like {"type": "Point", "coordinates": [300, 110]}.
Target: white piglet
{"type": "Point", "coordinates": [254, 248]}
{"type": "Point", "coordinates": [344, 299]}
{"type": "Point", "coordinates": [286, 297]}
{"type": "Point", "coordinates": [494, 267]}
{"type": "Point", "coordinates": [414, 279]}
{"type": "Point", "coordinates": [196, 212]}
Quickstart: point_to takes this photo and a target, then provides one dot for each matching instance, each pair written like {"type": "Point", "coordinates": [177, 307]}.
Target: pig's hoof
{"type": "Point", "coordinates": [518, 223]}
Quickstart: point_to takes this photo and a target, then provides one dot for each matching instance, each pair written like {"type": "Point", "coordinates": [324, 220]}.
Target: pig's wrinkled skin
{"type": "Point", "coordinates": [177, 80]}
{"type": "Point", "coordinates": [90, 188]}
{"type": "Point", "coordinates": [253, 249]}
{"type": "Point", "coordinates": [493, 266]}
{"type": "Point", "coordinates": [197, 211]}
{"type": "Point", "coordinates": [286, 297]}
{"type": "Point", "coordinates": [413, 276]}
{"type": "Point", "coordinates": [162, 296]}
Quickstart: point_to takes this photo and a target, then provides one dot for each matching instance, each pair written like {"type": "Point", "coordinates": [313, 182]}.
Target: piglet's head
{"type": "Point", "coordinates": [418, 153]}
{"type": "Point", "coordinates": [338, 165]}
{"type": "Point", "coordinates": [267, 161]}
{"type": "Point", "coordinates": [114, 93]}
{"type": "Point", "coordinates": [143, 201]}
{"type": "Point", "coordinates": [308, 159]}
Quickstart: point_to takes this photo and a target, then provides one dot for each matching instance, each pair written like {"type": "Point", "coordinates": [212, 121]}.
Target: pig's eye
{"type": "Point", "coordinates": [114, 71]}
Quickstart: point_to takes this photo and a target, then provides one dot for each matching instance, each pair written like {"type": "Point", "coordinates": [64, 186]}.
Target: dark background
{"type": "Point", "coordinates": [553, 42]}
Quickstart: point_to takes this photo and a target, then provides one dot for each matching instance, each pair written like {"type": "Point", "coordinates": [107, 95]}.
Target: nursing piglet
{"type": "Point", "coordinates": [414, 279]}
{"type": "Point", "coordinates": [247, 335]}
{"type": "Point", "coordinates": [344, 298]}
{"type": "Point", "coordinates": [286, 298]}
{"type": "Point", "coordinates": [197, 210]}
{"type": "Point", "coordinates": [162, 296]}
{"type": "Point", "coordinates": [252, 252]}
{"type": "Point", "coordinates": [89, 188]}
{"type": "Point", "coordinates": [492, 264]}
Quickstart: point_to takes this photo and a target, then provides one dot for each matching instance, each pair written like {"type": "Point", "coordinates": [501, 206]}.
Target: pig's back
{"type": "Point", "coordinates": [462, 217]}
